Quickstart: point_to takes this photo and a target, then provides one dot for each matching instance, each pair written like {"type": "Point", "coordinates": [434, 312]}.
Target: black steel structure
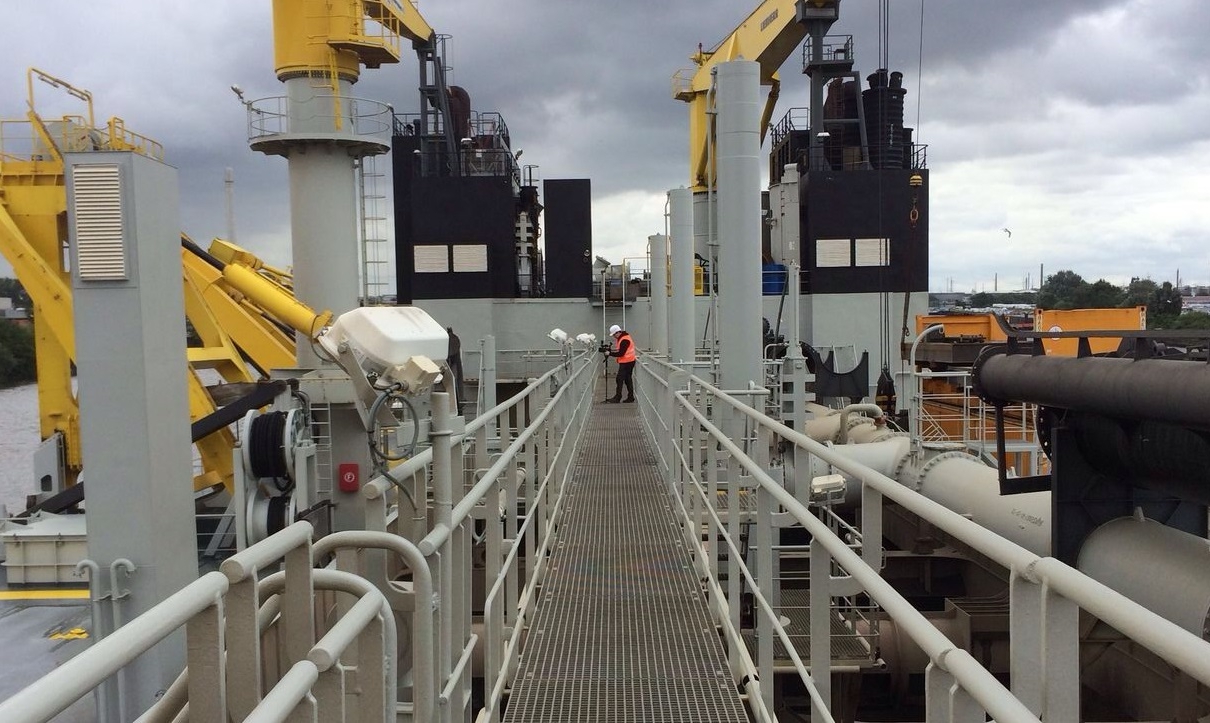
{"type": "Point", "coordinates": [568, 237]}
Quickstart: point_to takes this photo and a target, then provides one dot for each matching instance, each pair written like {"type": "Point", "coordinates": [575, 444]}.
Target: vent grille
{"type": "Point", "coordinates": [431, 259]}
{"type": "Point", "coordinates": [872, 252]}
{"type": "Point", "coordinates": [101, 252]}
{"type": "Point", "coordinates": [833, 253]}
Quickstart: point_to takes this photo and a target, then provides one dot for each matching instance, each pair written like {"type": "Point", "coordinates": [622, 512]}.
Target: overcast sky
{"type": "Point", "coordinates": [1080, 126]}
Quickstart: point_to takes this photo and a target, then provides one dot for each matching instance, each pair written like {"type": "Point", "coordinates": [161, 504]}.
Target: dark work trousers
{"type": "Point", "coordinates": [625, 376]}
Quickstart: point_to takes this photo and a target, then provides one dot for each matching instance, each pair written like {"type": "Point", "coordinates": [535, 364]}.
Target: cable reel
{"type": "Point", "coordinates": [269, 441]}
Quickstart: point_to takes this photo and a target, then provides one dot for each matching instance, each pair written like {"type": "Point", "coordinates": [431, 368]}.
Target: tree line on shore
{"type": "Point", "coordinates": [1068, 290]}
{"type": "Point", "coordinates": [17, 364]}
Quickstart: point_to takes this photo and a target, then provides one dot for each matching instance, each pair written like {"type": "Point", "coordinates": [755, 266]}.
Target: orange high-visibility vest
{"type": "Point", "coordinates": [630, 355]}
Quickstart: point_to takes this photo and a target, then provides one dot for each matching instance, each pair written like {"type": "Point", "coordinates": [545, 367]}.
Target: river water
{"type": "Point", "coordinates": [18, 440]}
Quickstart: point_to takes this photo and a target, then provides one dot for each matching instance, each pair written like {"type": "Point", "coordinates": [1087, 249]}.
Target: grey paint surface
{"type": "Point", "coordinates": [134, 411]}
{"type": "Point", "coordinates": [29, 652]}
{"type": "Point", "coordinates": [739, 223]}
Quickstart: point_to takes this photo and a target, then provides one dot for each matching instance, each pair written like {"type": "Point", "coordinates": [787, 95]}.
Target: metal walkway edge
{"type": "Point", "coordinates": [621, 631]}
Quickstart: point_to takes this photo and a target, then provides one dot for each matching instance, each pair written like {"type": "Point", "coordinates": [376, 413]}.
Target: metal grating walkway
{"type": "Point", "coordinates": [621, 630]}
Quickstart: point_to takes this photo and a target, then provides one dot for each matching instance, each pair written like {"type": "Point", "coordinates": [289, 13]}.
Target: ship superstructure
{"type": "Point", "coordinates": [754, 539]}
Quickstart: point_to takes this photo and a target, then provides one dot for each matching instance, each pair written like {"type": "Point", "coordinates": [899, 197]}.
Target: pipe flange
{"type": "Point", "coordinates": [989, 351]}
{"type": "Point", "coordinates": [1043, 425]}
{"type": "Point", "coordinates": [938, 459]}
{"type": "Point", "coordinates": [900, 464]}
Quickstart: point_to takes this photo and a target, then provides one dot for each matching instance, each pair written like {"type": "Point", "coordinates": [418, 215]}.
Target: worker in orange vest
{"type": "Point", "coordinates": [626, 355]}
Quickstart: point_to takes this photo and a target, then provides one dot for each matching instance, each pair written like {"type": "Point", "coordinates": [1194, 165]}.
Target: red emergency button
{"type": "Point", "coordinates": [349, 476]}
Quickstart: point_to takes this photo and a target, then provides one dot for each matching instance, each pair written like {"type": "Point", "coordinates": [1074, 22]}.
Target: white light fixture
{"type": "Point", "coordinates": [827, 487]}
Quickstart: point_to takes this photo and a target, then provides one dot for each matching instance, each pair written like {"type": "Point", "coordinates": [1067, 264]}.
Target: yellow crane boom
{"type": "Point", "coordinates": [240, 308]}
{"type": "Point", "coordinates": [768, 36]}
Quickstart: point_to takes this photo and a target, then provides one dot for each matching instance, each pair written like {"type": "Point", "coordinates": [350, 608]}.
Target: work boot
{"type": "Point", "coordinates": [628, 399]}
{"type": "Point", "coordinates": [612, 400]}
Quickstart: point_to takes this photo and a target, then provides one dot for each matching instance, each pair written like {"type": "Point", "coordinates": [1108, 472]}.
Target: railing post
{"type": "Point", "coordinates": [482, 458]}
{"type": "Point", "coordinates": [487, 382]}
{"type": "Point", "coordinates": [458, 605]}
{"type": "Point", "coordinates": [371, 674]}
{"type": "Point", "coordinates": [329, 694]}
{"type": "Point", "coordinates": [948, 702]}
{"type": "Point", "coordinates": [530, 497]}
{"type": "Point", "coordinates": [734, 512]}
{"type": "Point", "coordinates": [676, 382]}
{"type": "Point", "coordinates": [712, 535]}
{"type": "Point", "coordinates": [244, 682]}
{"type": "Point", "coordinates": [1025, 641]}
{"type": "Point", "coordinates": [871, 526]}
{"type": "Point", "coordinates": [764, 581]}
{"type": "Point", "coordinates": [1044, 649]}
{"type": "Point", "coordinates": [821, 621]}
{"type": "Point", "coordinates": [298, 605]}
{"type": "Point", "coordinates": [443, 505]}
{"type": "Point", "coordinates": [511, 485]}
{"type": "Point", "coordinates": [204, 661]}
{"type": "Point", "coordinates": [493, 615]}
{"type": "Point", "coordinates": [543, 475]}
{"type": "Point", "coordinates": [937, 686]}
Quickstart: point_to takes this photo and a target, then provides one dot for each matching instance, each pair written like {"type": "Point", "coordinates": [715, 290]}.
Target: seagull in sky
{"type": "Point", "coordinates": [1010, 233]}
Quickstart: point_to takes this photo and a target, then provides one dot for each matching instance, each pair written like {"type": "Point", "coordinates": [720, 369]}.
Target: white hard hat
{"type": "Point", "coordinates": [614, 329]}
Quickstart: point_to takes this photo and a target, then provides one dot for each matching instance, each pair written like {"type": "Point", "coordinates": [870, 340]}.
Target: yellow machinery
{"type": "Point", "coordinates": [768, 35]}
{"type": "Point", "coordinates": [985, 328]}
{"type": "Point", "coordinates": [332, 39]}
{"type": "Point", "coordinates": [238, 307]}
{"type": "Point", "coordinates": [241, 310]}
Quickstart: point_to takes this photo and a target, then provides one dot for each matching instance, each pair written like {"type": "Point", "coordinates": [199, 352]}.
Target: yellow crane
{"type": "Point", "coordinates": [768, 35]}
{"type": "Point", "coordinates": [239, 307]}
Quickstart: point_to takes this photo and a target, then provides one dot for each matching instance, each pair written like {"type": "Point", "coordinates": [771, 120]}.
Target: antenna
{"type": "Point", "coordinates": [229, 182]}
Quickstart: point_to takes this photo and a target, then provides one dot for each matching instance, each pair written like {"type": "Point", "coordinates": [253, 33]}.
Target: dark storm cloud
{"type": "Point", "coordinates": [1078, 122]}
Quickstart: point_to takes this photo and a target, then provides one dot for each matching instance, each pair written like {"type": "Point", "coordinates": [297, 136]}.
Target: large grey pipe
{"type": "Point", "coordinates": [739, 223]}
{"type": "Point", "coordinates": [1143, 558]}
{"type": "Point", "coordinates": [681, 322]}
{"type": "Point", "coordinates": [1161, 390]}
{"type": "Point", "coordinates": [1157, 566]}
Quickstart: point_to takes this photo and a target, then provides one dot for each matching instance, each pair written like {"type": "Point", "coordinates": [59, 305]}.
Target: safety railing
{"type": "Point", "coordinates": [356, 118]}
{"type": "Point", "coordinates": [486, 493]}
{"type": "Point", "coordinates": [23, 141]}
{"type": "Point", "coordinates": [122, 138]}
{"type": "Point", "coordinates": [693, 425]}
{"type": "Point", "coordinates": [959, 415]}
{"type": "Point", "coordinates": [318, 665]}
{"type": "Point", "coordinates": [513, 364]}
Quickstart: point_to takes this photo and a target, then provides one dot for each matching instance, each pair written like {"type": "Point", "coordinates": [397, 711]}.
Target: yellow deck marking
{"type": "Point", "coordinates": [43, 594]}
{"type": "Point", "coordinates": [73, 634]}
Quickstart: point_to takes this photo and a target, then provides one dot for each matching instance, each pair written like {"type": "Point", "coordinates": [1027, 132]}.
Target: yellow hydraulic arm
{"type": "Point", "coordinates": [240, 308]}
{"type": "Point", "coordinates": [335, 39]}
{"type": "Point", "coordinates": [768, 36]}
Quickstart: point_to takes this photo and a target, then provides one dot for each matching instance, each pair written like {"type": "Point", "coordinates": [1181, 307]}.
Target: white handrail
{"type": "Point", "coordinates": [1178, 647]}
{"type": "Point", "coordinates": [57, 690]}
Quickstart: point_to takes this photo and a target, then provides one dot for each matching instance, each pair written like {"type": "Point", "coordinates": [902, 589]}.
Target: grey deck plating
{"type": "Point", "coordinates": [622, 631]}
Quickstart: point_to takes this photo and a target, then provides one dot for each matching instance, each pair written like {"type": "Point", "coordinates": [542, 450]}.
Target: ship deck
{"type": "Point", "coordinates": [621, 631]}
